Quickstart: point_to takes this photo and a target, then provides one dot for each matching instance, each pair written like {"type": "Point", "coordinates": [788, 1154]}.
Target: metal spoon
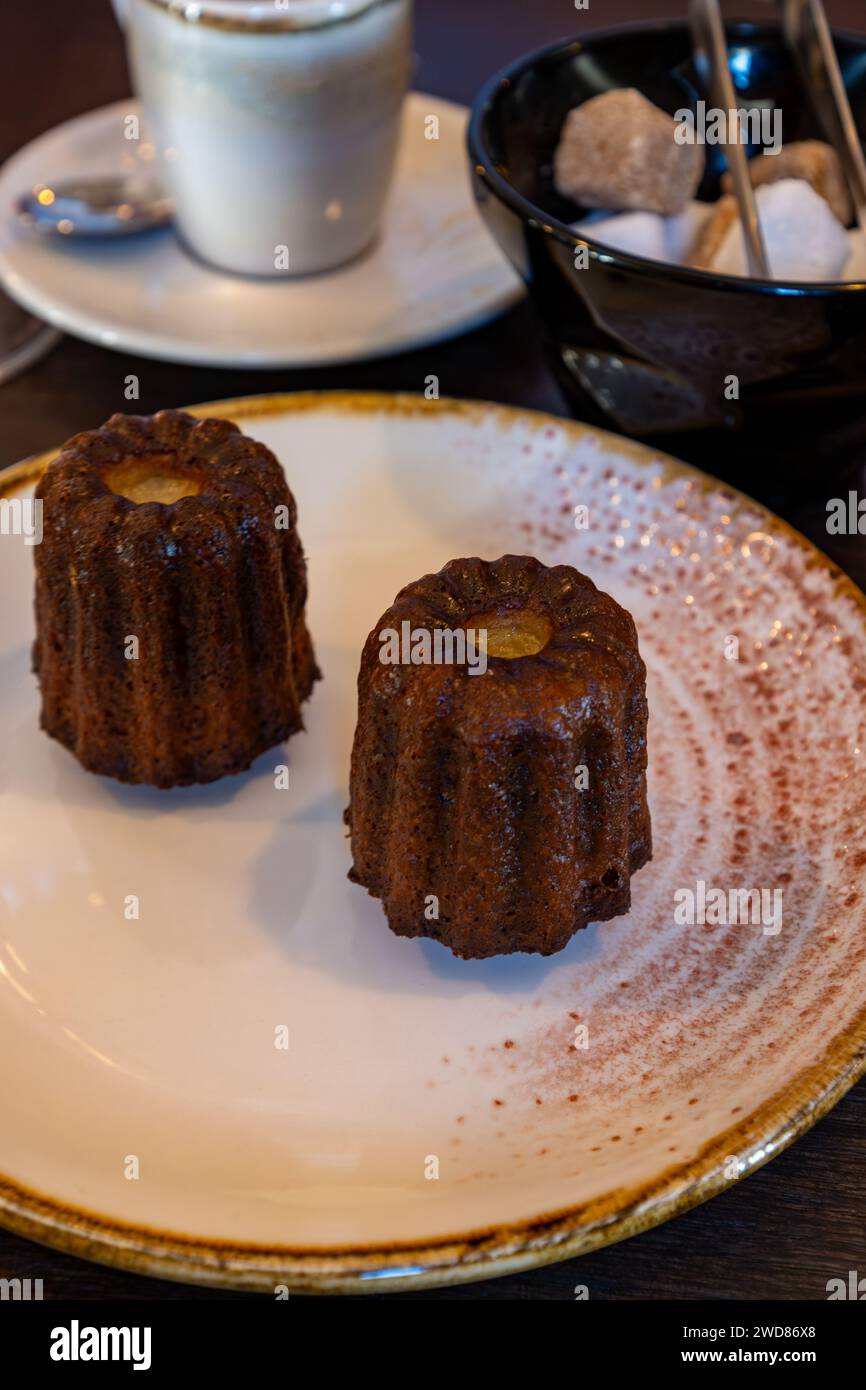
{"type": "Point", "coordinates": [112, 206]}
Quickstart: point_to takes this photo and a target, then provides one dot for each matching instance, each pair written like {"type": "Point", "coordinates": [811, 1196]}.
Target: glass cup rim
{"type": "Point", "coordinates": [268, 16]}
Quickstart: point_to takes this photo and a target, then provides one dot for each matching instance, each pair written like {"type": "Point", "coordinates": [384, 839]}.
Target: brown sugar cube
{"type": "Point", "coordinates": [812, 160]}
{"type": "Point", "coordinates": [713, 232]}
{"type": "Point", "coordinates": [619, 151]}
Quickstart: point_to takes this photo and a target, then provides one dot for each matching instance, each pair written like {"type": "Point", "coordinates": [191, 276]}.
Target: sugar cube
{"type": "Point", "coordinates": [804, 241]}
{"type": "Point", "coordinates": [619, 151]}
{"type": "Point", "coordinates": [638, 233]}
{"type": "Point", "coordinates": [812, 160]}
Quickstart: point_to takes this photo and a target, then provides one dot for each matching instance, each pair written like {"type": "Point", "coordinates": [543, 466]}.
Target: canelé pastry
{"type": "Point", "coordinates": [171, 645]}
{"type": "Point", "coordinates": [502, 811]}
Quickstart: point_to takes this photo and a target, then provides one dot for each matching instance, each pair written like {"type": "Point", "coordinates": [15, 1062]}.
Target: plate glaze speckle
{"type": "Point", "coordinates": [566, 1101]}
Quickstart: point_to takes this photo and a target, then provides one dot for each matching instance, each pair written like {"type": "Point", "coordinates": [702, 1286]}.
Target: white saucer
{"type": "Point", "coordinates": [434, 273]}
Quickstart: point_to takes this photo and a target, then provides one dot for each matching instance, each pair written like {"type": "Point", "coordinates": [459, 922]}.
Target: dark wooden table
{"type": "Point", "coordinates": [801, 1220]}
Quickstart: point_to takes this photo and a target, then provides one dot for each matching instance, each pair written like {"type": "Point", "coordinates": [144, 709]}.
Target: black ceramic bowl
{"type": "Point", "coordinates": [644, 348]}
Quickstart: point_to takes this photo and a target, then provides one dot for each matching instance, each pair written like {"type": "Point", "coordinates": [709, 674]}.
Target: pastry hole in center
{"type": "Point", "coordinates": [152, 478]}
{"type": "Point", "coordinates": [511, 632]}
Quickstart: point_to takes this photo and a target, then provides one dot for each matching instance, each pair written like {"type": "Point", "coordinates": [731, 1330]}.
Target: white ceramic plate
{"type": "Point", "coordinates": [434, 273]}
{"type": "Point", "coordinates": [709, 1047]}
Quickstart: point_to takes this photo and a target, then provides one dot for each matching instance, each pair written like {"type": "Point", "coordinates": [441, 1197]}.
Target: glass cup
{"type": "Point", "coordinates": [276, 123]}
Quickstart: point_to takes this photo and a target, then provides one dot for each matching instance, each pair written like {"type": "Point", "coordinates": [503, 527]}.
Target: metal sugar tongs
{"type": "Point", "coordinates": [807, 33]}
{"type": "Point", "coordinates": [811, 43]}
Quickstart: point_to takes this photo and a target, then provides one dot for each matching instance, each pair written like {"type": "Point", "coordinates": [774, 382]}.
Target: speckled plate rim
{"type": "Point", "coordinates": [509, 1248]}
